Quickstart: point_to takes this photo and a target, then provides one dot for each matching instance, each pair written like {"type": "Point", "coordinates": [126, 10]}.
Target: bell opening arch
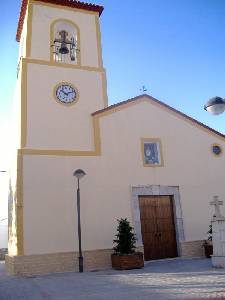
{"type": "Point", "coordinates": [64, 42]}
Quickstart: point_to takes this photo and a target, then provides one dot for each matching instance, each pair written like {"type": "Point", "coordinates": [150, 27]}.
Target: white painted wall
{"type": "Point", "coordinates": [52, 125]}
{"type": "Point", "coordinates": [50, 222]}
{"type": "Point", "coordinates": [49, 189]}
{"type": "Point", "coordinates": [3, 210]}
{"type": "Point", "coordinates": [43, 16]}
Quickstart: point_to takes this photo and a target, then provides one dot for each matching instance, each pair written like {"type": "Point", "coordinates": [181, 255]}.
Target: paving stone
{"type": "Point", "coordinates": [191, 279]}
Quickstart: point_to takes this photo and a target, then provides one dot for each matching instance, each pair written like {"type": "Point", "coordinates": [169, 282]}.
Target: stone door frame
{"type": "Point", "coordinates": [158, 190]}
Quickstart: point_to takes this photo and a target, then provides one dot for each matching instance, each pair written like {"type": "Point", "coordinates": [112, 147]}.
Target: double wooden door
{"type": "Point", "coordinates": [157, 226]}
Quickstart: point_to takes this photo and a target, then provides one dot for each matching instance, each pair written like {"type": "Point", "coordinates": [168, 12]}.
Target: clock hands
{"type": "Point", "coordinates": [66, 94]}
{"type": "Point", "coordinates": [67, 90]}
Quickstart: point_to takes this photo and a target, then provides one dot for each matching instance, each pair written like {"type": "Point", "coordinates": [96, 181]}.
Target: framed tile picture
{"type": "Point", "coordinates": [152, 152]}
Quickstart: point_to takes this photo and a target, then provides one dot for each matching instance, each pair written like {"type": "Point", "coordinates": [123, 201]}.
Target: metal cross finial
{"type": "Point", "coordinates": [143, 89]}
{"type": "Point", "coordinates": [217, 204]}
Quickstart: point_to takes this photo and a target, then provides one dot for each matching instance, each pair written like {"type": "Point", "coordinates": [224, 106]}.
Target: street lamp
{"type": "Point", "coordinates": [215, 106]}
{"type": "Point", "coordinates": [79, 174]}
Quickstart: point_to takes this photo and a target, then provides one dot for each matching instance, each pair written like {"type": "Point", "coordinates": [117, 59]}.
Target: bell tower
{"type": "Point", "coordinates": [62, 76]}
{"type": "Point", "coordinates": [61, 82]}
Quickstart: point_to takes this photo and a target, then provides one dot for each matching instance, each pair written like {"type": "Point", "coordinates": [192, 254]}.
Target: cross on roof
{"type": "Point", "coordinates": [217, 204]}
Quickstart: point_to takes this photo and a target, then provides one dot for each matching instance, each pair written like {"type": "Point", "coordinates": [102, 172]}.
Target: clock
{"type": "Point", "coordinates": [66, 93]}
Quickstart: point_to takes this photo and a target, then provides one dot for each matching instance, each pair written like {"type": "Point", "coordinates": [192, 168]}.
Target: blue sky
{"type": "Point", "coordinates": [175, 48]}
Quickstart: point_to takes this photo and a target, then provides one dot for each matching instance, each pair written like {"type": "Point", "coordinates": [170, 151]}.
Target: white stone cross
{"type": "Point", "coordinates": [217, 204]}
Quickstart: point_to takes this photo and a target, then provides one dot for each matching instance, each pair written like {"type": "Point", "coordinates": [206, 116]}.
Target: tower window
{"type": "Point", "coordinates": [65, 43]}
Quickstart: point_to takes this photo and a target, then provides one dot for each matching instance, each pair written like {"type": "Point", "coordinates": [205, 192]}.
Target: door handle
{"type": "Point", "coordinates": [158, 234]}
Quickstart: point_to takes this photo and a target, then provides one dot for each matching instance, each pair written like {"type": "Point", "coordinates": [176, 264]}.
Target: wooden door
{"type": "Point", "coordinates": [157, 227]}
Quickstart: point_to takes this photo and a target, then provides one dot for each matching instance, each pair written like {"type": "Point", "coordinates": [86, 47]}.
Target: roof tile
{"type": "Point", "coordinates": [68, 3]}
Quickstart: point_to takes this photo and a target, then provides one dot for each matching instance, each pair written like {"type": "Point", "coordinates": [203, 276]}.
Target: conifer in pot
{"type": "Point", "coordinates": [124, 256]}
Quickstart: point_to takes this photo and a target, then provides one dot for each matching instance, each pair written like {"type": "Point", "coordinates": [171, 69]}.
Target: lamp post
{"type": "Point", "coordinates": [215, 105]}
{"type": "Point", "coordinates": [79, 174]}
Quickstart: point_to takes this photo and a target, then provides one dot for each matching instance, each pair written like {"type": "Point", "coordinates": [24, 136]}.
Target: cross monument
{"type": "Point", "coordinates": [218, 235]}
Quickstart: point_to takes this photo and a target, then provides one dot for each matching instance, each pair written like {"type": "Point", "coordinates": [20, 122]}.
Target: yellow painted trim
{"type": "Point", "coordinates": [97, 137]}
{"type": "Point", "coordinates": [179, 116]}
{"type": "Point", "coordinates": [144, 100]}
{"type": "Point", "coordinates": [99, 46]}
{"type": "Point", "coordinates": [23, 103]}
{"type": "Point", "coordinates": [50, 152]}
{"type": "Point", "coordinates": [29, 29]}
{"type": "Point", "coordinates": [19, 205]}
{"type": "Point", "coordinates": [64, 7]}
{"type": "Point", "coordinates": [65, 104]}
{"type": "Point", "coordinates": [62, 65]}
{"type": "Point", "coordinates": [121, 107]}
{"type": "Point", "coordinates": [96, 129]}
{"type": "Point", "coordinates": [211, 150]}
{"type": "Point", "coordinates": [104, 89]}
{"type": "Point", "coordinates": [52, 25]}
{"type": "Point", "coordinates": [152, 140]}
{"type": "Point", "coordinates": [54, 152]}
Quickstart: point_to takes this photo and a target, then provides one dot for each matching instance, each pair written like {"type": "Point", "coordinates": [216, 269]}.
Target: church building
{"type": "Point", "coordinates": [144, 160]}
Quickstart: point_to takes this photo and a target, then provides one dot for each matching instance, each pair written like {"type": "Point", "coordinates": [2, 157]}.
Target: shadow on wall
{"type": "Point", "coordinates": [3, 252]}
{"type": "Point", "coordinates": [3, 235]}
{"type": "Point", "coordinates": [4, 190]}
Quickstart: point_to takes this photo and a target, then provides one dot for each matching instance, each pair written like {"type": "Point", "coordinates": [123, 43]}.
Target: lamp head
{"type": "Point", "coordinates": [79, 173]}
{"type": "Point", "coordinates": [215, 105]}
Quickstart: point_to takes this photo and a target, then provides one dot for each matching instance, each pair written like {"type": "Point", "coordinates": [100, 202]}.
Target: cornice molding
{"type": "Point", "coordinates": [69, 3]}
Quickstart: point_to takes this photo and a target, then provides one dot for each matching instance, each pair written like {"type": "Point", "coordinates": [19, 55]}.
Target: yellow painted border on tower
{"type": "Point", "coordinates": [62, 65]}
{"type": "Point", "coordinates": [58, 152]}
{"type": "Point", "coordinates": [98, 38]}
{"type": "Point", "coordinates": [23, 66]}
{"type": "Point", "coordinates": [23, 103]}
{"type": "Point", "coordinates": [80, 10]}
{"type": "Point", "coordinates": [104, 89]}
{"type": "Point", "coordinates": [97, 137]}
{"type": "Point", "coordinates": [29, 29]}
{"type": "Point", "coordinates": [19, 204]}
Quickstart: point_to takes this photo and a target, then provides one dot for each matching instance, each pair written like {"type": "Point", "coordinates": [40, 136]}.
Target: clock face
{"type": "Point", "coordinates": [66, 93]}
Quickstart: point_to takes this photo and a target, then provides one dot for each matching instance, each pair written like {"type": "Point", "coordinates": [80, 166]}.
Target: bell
{"type": "Point", "coordinates": [63, 49]}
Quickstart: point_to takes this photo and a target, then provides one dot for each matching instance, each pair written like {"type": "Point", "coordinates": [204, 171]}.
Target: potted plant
{"type": "Point", "coordinates": [125, 257]}
{"type": "Point", "coordinates": [208, 246]}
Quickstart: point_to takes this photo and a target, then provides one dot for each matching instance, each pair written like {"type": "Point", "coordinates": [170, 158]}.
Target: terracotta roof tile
{"type": "Point", "coordinates": [68, 3]}
{"type": "Point", "coordinates": [154, 100]}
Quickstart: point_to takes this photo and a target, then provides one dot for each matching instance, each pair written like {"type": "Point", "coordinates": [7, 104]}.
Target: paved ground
{"type": "Point", "coordinates": [166, 279]}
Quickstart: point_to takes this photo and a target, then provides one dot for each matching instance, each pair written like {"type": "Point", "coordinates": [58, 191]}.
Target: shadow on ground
{"type": "Point", "coordinates": [166, 279]}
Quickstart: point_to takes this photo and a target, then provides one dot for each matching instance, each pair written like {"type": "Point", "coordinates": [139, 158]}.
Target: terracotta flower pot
{"type": "Point", "coordinates": [127, 262]}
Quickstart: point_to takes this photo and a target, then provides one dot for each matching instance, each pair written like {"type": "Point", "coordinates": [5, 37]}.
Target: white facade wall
{"type": "Point", "coordinates": [4, 236]}
{"type": "Point", "coordinates": [44, 16]}
{"type": "Point", "coordinates": [49, 187]}
{"type": "Point", "coordinates": [4, 210]}
{"type": "Point", "coordinates": [47, 118]}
